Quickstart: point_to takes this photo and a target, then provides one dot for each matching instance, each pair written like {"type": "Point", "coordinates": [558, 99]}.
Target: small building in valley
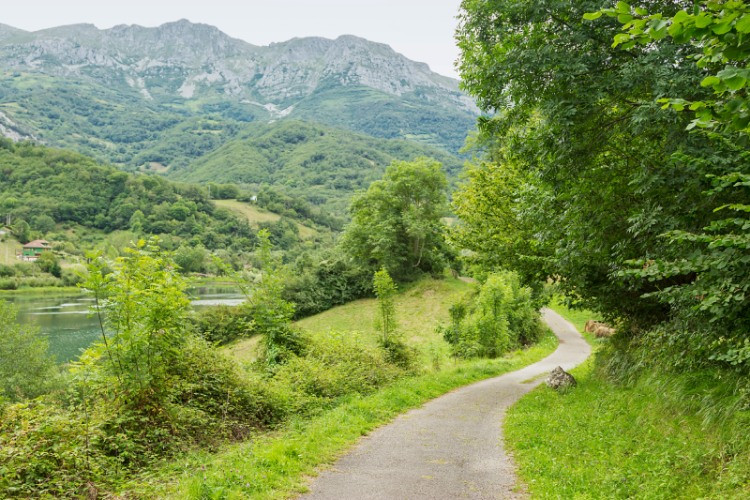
{"type": "Point", "coordinates": [33, 249]}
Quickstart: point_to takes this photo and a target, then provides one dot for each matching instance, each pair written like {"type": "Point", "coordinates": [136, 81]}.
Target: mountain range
{"type": "Point", "coordinates": [161, 98]}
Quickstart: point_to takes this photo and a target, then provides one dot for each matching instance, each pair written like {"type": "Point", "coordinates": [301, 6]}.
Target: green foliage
{"type": "Point", "coordinates": [74, 191]}
{"type": "Point", "coordinates": [322, 165]}
{"type": "Point", "coordinates": [385, 290]}
{"type": "Point", "coordinates": [43, 452]}
{"type": "Point", "coordinates": [501, 316]}
{"type": "Point", "coordinates": [716, 32]}
{"type": "Point", "coordinates": [397, 224]}
{"type": "Point", "coordinates": [49, 263]}
{"type": "Point", "coordinates": [144, 305]}
{"type": "Point", "coordinates": [191, 259]}
{"type": "Point", "coordinates": [223, 324]}
{"type": "Point", "coordinates": [640, 212]}
{"type": "Point", "coordinates": [266, 311]}
{"type": "Point", "coordinates": [323, 279]}
{"type": "Point", "coordinates": [397, 351]}
{"type": "Point", "coordinates": [44, 223]}
{"type": "Point", "coordinates": [22, 231]}
{"type": "Point", "coordinates": [137, 221]}
{"type": "Point", "coordinates": [709, 267]}
{"type": "Point", "coordinates": [76, 447]}
{"type": "Point", "coordinates": [335, 365]}
{"type": "Point", "coordinates": [26, 368]}
{"type": "Point", "coordinates": [295, 207]}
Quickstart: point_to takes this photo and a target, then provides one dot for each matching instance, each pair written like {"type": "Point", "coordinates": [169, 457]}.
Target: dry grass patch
{"type": "Point", "coordinates": [255, 216]}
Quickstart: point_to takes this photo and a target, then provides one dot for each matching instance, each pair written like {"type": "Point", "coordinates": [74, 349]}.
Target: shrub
{"type": "Point", "coordinates": [8, 284]}
{"type": "Point", "coordinates": [501, 315]}
{"type": "Point", "coordinates": [44, 453]}
{"type": "Point", "coordinates": [26, 368]}
{"type": "Point", "coordinates": [398, 352]}
{"type": "Point", "coordinates": [223, 324]}
{"type": "Point", "coordinates": [334, 365]}
{"type": "Point", "coordinates": [6, 271]}
{"type": "Point", "coordinates": [324, 280]}
{"type": "Point", "coordinates": [72, 276]}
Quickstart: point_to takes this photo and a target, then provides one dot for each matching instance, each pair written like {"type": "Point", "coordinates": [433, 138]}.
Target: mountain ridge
{"type": "Point", "coordinates": [116, 92]}
{"type": "Point", "coordinates": [205, 54]}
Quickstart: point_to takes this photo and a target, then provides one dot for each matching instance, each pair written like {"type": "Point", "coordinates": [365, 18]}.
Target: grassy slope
{"type": "Point", "coordinates": [605, 441]}
{"type": "Point", "coordinates": [8, 249]}
{"type": "Point", "coordinates": [256, 215]}
{"type": "Point", "coordinates": [277, 464]}
{"type": "Point", "coordinates": [419, 309]}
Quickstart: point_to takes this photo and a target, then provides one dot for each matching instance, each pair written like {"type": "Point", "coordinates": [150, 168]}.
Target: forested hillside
{"type": "Point", "coordinates": [321, 164]}
{"type": "Point", "coordinates": [77, 203]}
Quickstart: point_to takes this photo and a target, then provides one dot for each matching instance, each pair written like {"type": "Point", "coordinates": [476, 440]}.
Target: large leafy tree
{"type": "Point", "coordinates": [711, 310]}
{"type": "Point", "coordinates": [597, 181]}
{"type": "Point", "coordinates": [576, 127]}
{"type": "Point", "coordinates": [397, 224]}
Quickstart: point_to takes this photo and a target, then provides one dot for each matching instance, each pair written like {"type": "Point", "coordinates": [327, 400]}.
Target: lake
{"type": "Point", "coordinates": [66, 322]}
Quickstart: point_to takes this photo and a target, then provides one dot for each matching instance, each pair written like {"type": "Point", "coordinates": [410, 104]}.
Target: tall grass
{"type": "Point", "coordinates": [657, 435]}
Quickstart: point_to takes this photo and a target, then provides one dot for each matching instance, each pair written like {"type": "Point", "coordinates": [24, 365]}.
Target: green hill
{"type": "Point", "coordinates": [71, 198]}
{"type": "Point", "coordinates": [324, 165]}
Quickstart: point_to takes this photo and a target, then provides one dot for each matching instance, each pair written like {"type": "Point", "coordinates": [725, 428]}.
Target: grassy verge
{"type": "Point", "coordinates": [277, 464]}
{"type": "Point", "coordinates": [601, 440]}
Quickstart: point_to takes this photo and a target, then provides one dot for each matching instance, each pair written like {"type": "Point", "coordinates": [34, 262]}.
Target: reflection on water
{"type": "Point", "coordinates": [67, 323]}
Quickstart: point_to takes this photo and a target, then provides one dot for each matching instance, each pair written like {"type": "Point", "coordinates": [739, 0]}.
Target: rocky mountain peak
{"type": "Point", "coordinates": [186, 60]}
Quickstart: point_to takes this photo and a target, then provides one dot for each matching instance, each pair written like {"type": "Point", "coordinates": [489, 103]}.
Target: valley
{"type": "Point", "coordinates": [317, 268]}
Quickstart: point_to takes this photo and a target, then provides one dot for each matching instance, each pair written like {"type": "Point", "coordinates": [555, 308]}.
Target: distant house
{"type": "Point", "coordinates": [33, 249]}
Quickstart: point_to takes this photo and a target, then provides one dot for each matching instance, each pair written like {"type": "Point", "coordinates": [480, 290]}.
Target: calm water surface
{"type": "Point", "coordinates": [66, 321]}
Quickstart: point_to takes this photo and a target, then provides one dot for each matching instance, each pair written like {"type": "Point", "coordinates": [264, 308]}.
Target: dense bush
{"type": "Point", "coordinates": [26, 368]}
{"type": "Point", "coordinates": [334, 365]}
{"type": "Point", "coordinates": [324, 279]}
{"type": "Point", "coordinates": [500, 316]}
{"type": "Point", "coordinates": [223, 324]}
{"type": "Point", "coordinates": [69, 448]}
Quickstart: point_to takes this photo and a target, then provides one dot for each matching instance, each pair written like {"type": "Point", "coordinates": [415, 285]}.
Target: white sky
{"type": "Point", "coordinates": [422, 30]}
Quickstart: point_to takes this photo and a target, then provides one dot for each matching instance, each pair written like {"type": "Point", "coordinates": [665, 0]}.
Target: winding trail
{"type": "Point", "coordinates": [451, 447]}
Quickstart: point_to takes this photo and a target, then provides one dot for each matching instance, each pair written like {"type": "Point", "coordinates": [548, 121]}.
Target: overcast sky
{"type": "Point", "coordinates": [420, 29]}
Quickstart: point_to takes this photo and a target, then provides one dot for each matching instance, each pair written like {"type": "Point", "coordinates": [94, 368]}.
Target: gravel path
{"type": "Point", "coordinates": [451, 447]}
